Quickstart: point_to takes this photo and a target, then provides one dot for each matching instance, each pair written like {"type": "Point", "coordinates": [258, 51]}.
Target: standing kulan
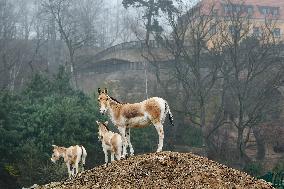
{"type": "Point", "coordinates": [71, 155]}
{"type": "Point", "coordinates": [111, 141]}
{"type": "Point", "coordinates": [137, 115]}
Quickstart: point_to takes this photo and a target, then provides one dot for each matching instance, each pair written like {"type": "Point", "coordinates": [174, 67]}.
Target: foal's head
{"type": "Point", "coordinates": [103, 100]}
{"type": "Point", "coordinates": [57, 152]}
{"type": "Point", "coordinates": [102, 129]}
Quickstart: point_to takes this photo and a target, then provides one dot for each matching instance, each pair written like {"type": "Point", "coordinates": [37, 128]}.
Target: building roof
{"type": "Point", "coordinates": [259, 7]}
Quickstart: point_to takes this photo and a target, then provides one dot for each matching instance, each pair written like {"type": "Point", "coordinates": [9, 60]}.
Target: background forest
{"type": "Point", "coordinates": [48, 111]}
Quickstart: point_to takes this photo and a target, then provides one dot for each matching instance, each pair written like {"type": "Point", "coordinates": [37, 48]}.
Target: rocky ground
{"type": "Point", "coordinates": [162, 170]}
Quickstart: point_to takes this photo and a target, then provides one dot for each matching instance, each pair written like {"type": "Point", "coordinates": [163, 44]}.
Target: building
{"type": "Point", "coordinates": [259, 18]}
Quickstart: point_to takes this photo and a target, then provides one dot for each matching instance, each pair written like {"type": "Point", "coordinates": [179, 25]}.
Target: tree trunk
{"type": "Point", "coordinates": [260, 144]}
{"type": "Point", "coordinates": [203, 124]}
{"type": "Point", "coordinates": [243, 158]}
{"type": "Point", "coordinates": [72, 70]}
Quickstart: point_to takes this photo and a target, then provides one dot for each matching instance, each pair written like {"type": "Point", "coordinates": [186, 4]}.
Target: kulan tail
{"type": "Point", "coordinates": [171, 117]}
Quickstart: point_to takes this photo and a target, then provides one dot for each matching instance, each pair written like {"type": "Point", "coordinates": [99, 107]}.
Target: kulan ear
{"type": "Point", "coordinates": [106, 123]}
{"type": "Point", "coordinates": [54, 146]}
{"type": "Point", "coordinates": [105, 91]}
{"type": "Point", "coordinates": [97, 122]}
{"type": "Point", "coordinates": [99, 90]}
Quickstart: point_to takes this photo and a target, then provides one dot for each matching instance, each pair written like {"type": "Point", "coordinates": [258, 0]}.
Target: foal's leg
{"type": "Point", "coordinates": [84, 155]}
{"type": "Point", "coordinates": [106, 156]}
{"type": "Point", "coordinates": [69, 171]}
{"type": "Point", "coordinates": [118, 149]}
{"type": "Point", "coordinates": [73, 170]}
{"type": "Point", "coordinates": [83, 164]}
{"type": "Point", "coordinates": [160, 131]}
{"type": "Point", "coordinates": [124, 140]}
{"type": "Point", "coordinates": [112, 156]}
{"type": "Point", "coordinates": [118, 156]}
{"type": "Point", "coordinates": [129, 143]}
{"type": "Point", "coordinates": [76, 166]}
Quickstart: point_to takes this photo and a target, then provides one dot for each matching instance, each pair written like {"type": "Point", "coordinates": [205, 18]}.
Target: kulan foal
{"type": "Point", "coordinates": [71, 155]}
{"type": "Point", "coordinates": [110, 141]}
{"type": "Point", "coordinates": [136, 115]}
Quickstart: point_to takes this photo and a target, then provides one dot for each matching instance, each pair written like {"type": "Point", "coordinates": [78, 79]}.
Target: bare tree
{"type": "Point", "coordinates": [219, 63]}
{"type": "Point", "coordinates": [252, 69]}
{"type": "Point", "coordinates": [75, 23]}
{"type": "Point", "coordinates": [195, 68]}
{"type": "Point", "coordinates": [151, 11]}
{"type": "Point", "coordinates": [19, 47]}
{"type": "Point", "coordinates": [8, 33]}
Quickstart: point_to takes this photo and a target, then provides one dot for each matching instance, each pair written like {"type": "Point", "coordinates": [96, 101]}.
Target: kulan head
{"type": "Point", "coordinates": [103, 100]}
{"type": "Point", "coordinates": [102, 127]}
{"type": "Point", "coordinates": [56, 154]}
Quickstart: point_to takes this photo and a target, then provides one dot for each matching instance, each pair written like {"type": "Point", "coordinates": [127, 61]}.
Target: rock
{"type": "Point", "coordinates": [31, 187]}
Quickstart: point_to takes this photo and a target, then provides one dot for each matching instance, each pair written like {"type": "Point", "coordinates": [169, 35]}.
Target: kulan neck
{"type": "Point", "coordinates": [114, 104]}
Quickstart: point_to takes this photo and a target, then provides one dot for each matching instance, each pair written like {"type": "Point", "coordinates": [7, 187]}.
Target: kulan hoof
{"type": "Point", "coordinates": [124, 157]}
{"type": "Point", "coordinates": [106, 164]}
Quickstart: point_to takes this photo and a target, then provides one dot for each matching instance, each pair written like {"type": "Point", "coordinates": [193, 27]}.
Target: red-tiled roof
{"type": "Point", "coordinates": [218, 4]}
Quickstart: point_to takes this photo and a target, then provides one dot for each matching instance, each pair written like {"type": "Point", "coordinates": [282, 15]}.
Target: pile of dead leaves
{"type": "Point", "coordinates": [162, 170]}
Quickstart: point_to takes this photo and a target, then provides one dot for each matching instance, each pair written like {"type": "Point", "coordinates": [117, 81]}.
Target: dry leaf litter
{"type": "Point", "coordinates": [162, 170]}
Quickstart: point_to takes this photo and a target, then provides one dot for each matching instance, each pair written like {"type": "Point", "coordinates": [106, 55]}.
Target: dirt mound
{"type": "Point", "coordinates": [162, 170]}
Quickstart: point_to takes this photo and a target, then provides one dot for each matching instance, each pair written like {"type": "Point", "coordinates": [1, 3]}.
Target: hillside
{"type": "Point", "coordinates": [162, 170]}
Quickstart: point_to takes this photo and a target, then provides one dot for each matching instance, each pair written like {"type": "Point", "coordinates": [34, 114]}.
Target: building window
{"type": "Point", "coordinates": [213, 29]}
{"type": "Point", "coordinates": [215, 12]}
{"type": "Point", "coordinates": [238, 8]}
{"type": "Point", "coordinates": [234, 31]}
{"type": "Point", "coordinates": [227, 18]}
{"type": "Point", "coordinates": [265, 10]}
{"type": "Point", "coordinates": [227, 9]}
{"type": "Point", "coordinates": [231, 29]}
{"type": "Point", "coordinates": [276, 32]}
{"type": "Point", "coordinates": [250, 10]}
{"type": "Point", "coordinates": [256, 32]}
{"type": "Point", "coordinates": [276, 11]}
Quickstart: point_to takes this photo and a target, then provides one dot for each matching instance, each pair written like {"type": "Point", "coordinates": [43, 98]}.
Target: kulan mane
{"type": "Point", "coordinates": [105, 126]}
{"type": "Point", "coordinates": [115, 100]}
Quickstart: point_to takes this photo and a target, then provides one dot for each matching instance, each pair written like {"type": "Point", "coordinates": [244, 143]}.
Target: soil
{"type": "Point", "coordinates": [162, 170]}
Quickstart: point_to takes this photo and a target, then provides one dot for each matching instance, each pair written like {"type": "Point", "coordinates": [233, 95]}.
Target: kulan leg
{"type": "Point", "coordinates": [69, 171]}
{"type": "Point", "coordinates": [112, 157]}
{"type": "Point", "coordinates": [106, 156]}
{"type": "Point", "coordinates": [160, 131]}
{"type": "Point", "coordinates": [118, 156]}
{"type": "Point", "coordinates": [118, 149]}
{"type": "Point", "coordinates": [73, 170]}
{"type": "Point", "coordinates": [82, 168]}
{"type": "Point", "coordinates": [129, 143]}
{"type": "Point", "coordinates": [84, 155]}
{"type": "Point", "coordinates": [76, 168]}
{"type": "Point", "coordinates": [124, 141]}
